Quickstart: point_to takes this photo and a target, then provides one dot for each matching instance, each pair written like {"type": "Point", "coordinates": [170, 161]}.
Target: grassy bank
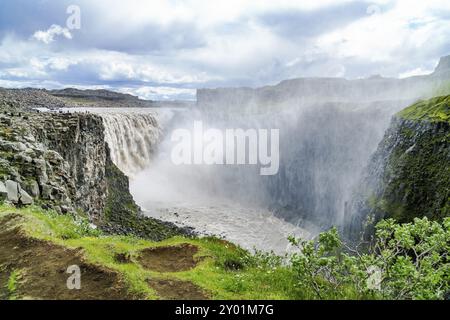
{"type": "Point", "coordinates": [222, 271]}
{"type": "Point", "coordinates": [38, 246]}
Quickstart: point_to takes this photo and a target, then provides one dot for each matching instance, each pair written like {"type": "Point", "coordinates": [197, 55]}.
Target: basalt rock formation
{"type": "Point", "coordinates": [61, 161]}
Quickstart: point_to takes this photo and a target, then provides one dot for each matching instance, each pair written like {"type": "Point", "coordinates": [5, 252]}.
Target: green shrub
{"type": "Point", "coordinates": [404, 261]}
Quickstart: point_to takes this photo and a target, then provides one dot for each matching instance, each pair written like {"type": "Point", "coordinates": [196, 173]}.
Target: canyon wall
{"type": "Point", "coordinates": [409, 175]}
{"type": "Point", "coordinates": [61, 161]}
{"type": "Point", "coordinates": [329, 128]}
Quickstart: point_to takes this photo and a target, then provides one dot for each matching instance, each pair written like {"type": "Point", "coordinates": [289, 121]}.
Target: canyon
{"type": "Point", "coordinates": [95, 146]}
{"type": "Point", "coordinates": [87, 178]}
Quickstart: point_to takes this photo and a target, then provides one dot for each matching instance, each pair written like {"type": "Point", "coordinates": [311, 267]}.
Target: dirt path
{"type": "Point", "coordinates": [169, 259]}
{"type": "Point", "coordinates": [42, 268]}
{"type": "Point", "coordinates": [171, 289]}
{"type": "Point", "coordinates": [172, 259]}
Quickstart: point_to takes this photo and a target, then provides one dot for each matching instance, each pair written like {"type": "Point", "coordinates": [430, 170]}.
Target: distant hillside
{"type": "Point", "coordinates": [76, 98]}
{"type": "Point", "coordinates": [100, 94]}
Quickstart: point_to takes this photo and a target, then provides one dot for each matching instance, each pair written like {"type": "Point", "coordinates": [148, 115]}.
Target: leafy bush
{"type": "Point", "coordinates": [404, 261]}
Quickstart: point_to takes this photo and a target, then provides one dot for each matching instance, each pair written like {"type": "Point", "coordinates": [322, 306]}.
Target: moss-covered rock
{"type": "Point", "coordinates": [409, 175]}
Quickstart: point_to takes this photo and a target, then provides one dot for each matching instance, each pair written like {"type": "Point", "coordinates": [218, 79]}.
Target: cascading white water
{"type": "Point", "coordinates": [132, 139]}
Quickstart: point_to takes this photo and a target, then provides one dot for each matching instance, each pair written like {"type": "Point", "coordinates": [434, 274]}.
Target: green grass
{"type": "Point", "coordinates": [225, 270]}
{"type": "Point", "coordinates": [12, 284]}
{"type": "Point", "coordinates": [434, 110]}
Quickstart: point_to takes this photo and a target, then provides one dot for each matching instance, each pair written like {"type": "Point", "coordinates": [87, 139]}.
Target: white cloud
{"type": "Point", "coordinates": [393, 37]}
{"type": "Point", "coordinates": [60, 63]}
{"type": "Point", "coordinates": [49, 35]}
{"type": "Point", "coordinates": [415, 72]}
{"type": "Point", "coordinates": [227, 43]}
{"type": "Point", "coordinates": [160, 93]}
{"type": "Point", "coordinates": [113, 66]}
{"type": "Point", "coordinates": [203, 13]}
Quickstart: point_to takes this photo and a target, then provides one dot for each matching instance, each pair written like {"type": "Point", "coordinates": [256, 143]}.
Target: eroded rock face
{"type": "Point", "coordinates": [59, 159]}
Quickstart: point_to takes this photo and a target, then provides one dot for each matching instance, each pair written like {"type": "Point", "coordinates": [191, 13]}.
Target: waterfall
{"type": "Point", "coordinates": [324, 148]}
{"type": "Point", "coordinates": [132, 139]}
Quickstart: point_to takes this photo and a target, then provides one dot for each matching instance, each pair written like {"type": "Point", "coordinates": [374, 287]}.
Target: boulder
{"type": "Point", "coordinates": [32, 188]}
{"type": "Point", "coordinates": [30, 138]}
{"type": "Point", "coordinates": [25, 198]}
{"type": "Point", "coordinates": [19, 146]}
{"type": "Point", "coordinates": [47, 192]}
{"type": "Point", "coordinates": [12, 189]}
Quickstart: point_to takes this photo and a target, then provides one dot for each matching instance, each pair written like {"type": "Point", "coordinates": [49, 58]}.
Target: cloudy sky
{"type": "Point", "coordinates": [165, 49]}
